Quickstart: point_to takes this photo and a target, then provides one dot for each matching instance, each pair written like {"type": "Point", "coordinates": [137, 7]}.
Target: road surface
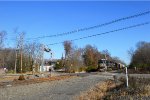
{"type": "Point", "coordinates": [54, 90]}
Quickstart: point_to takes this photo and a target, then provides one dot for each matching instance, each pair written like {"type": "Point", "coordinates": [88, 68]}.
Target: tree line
{"type": "Point", "coordinates": [28, 56]}
{"type": "Point", "coordinates": [140, 57]}
{"type": "Point", "coordinates": [23, 57]}
{"type": "Point", "coordinates": [78, 59]}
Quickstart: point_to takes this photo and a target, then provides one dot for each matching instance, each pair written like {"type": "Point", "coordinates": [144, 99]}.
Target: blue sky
{"type": "Point", "coordinates": [47, 18]}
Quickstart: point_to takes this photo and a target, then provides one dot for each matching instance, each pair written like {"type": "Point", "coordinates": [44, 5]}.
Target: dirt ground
{"type": "Point", "coordinates": [46, 89]}
{"type": "Point", "coordinates": [13, 80]}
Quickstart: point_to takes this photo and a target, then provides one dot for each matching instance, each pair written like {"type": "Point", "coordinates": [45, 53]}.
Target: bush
{"type": "Point", "coordinates": [91, 69]}
{"type": "Point", "coordinates": [21, 77]}
{"type": "Point", "coordinates": [59, 64]}
{"type": "Point", "coordinates": [82, 69]}
{"type": "Point", "coordinates": [10, 71]}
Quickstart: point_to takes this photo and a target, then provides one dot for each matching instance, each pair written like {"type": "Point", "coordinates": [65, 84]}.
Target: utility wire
{"type": "Point", "coordinates": [120, 29]}
{"type": "Point", "coordinates": [96, 26]}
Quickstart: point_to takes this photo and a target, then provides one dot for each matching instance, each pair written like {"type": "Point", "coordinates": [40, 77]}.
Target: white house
{"type": "Point", "coordinates": [47, 68]}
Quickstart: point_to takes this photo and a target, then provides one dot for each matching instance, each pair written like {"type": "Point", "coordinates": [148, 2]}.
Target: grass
{"type": "Point", "coordinates": [137, 71]}
{"type": "Point", "coordinates": [99, 91]}
{"type": "Point", "coordinates": [139, 88]}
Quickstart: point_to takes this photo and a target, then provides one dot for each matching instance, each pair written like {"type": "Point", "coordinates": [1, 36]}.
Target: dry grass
{"type": "Point", "coordinates": [139, 88]}
{"type": "Point", "coordinates": [40, 80]}
{"type": "Point", "coordinates": [9, 78]}
{"type": "Point", "coordinates": [17, 82]}
{"type": "Point", "coordinates": [97, 92]}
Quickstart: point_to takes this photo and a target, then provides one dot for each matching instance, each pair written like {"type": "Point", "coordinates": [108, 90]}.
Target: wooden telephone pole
{"type": "Point", "coordinates": [16, 60]}
{"type": "Point", "coordinates": [21, 38]}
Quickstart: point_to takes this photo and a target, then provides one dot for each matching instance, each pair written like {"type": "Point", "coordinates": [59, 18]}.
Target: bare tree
{"type": "Point", "coordinates": [76, 59]}
{"type": "Point", "coordinates": [2, 57]}
{"type": "Point", "coordinates": [34, 53]}
{"type": "Point", "coordinates": [131, 52]}
{"type": "Point", "coordinates": [117, 60]}
{"type": "Point", "coordinates": [7, 56]}
{"type": "Point", "coordinates": [2, 36]}
{"type": "Point", "coordinates": [67, 48]}
{"type": "Point", "coordinates": [106, 54]}
{"type": "Point", "coordinates": [20, 43]}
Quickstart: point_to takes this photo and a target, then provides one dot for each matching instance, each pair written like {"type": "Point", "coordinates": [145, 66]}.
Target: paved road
{"type": "Point", "coordinates": [55, 90]}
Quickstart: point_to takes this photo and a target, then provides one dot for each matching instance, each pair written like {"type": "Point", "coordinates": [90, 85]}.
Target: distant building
{"type": "Point", "coordinates": [46, 68]}
{"type": "Point", "coordinates": [48, 65]}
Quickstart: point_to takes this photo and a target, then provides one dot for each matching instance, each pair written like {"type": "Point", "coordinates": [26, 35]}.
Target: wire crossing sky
{"type": "Point", "coordinates": [96, 26]}
{"type": "Point", "coordinates": [49, 22]}
{"type": "Point", "coordinates": [121, 29]}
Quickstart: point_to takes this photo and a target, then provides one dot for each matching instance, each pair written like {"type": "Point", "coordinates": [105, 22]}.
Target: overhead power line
{"type": "Point", "coordinates": [93, 27]}
{"type": "Point", "coordinates": [120, 29]}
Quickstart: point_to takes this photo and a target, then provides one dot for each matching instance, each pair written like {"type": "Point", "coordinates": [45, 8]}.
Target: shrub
{"type": "Point", "coordinates": [82, 69]}
{"type": "Point", "coordinates": [91, 69]}
{"type": "Point", "coordinates": [59, 64]}
{"type": "Point", "coordinates": [9, 71]}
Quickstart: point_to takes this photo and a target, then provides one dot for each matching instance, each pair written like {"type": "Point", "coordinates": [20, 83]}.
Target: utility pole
{"type": "Point", "coordinates": [21, 54]}
{"type": "Point", "coordinates": [105, 62]}
{"type": "Point", "coordinates": [21, 37]}
{"type": "Point", "coordinates": [16, 51]}
{"type": "Point", "coordinates": [33, 67]}
{"type": "Point", "coordinates": [33, 58]}
{"type": "Point", "coordinates": [42, 65]}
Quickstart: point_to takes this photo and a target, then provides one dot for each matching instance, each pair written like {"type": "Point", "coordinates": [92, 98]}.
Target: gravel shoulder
{"type": "Point", "coordinates": [53, 90]}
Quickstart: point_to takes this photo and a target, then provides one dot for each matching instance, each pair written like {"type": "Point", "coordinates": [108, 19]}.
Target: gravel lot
{"type": "Point", "coordinates": [54, 90]}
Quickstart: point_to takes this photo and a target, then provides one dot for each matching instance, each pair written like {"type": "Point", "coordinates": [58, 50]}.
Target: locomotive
{"type": "Point", "coordinates": [104, 64]}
